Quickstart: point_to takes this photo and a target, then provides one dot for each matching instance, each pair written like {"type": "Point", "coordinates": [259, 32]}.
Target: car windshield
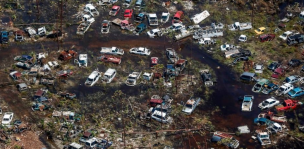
{"type": "Point", "coordinates": [89, 79]}
{"type": "Point", "coordinates": [164, 17]}
{"type": "Point", "coordinates": [265, 103]}
{"type": "Point", "coordinates": [131, 78]}
{"type": "Point", "coordinates": [281, 89]}
{"type": "Point", "coordinates": [287, 80]}
{"type": "Point", "coordinates": [82, 61]}
{"type": "Point", "coordinates": [264, 136]}
{"type": "Point", "coordinates": [138, 28]}
{"type": "Point", "coordinates": [188, 105]}
{"type": "Point", "coordinates": [258, 30]}
{"type": "Point", "coordinates": [5, 119]}
{"type": "Point", "coordinates": [225, 46]}
{"type": "Point", "coordinates": [284, 35]}
{"type": "Point", "coordinates": [114, 10]}
{"type": "Point", "coordinates": [126, 13]}
{"type": "Point", "coordinates": [292, 92]}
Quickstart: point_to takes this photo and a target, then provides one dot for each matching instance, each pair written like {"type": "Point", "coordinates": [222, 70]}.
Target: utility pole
{"type": "Point", "coordinates": [252, 11]}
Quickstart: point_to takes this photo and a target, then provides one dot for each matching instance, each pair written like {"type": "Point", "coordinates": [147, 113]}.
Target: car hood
{"type": "Point", "coordinates": [275, 76]}
{"type": "Point", "coordinates": [187, 110]}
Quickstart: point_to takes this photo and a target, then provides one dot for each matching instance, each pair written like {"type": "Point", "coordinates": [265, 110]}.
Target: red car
{"type": "Point", "coordinates": [177, 17]}
{"type": "Point", "coordinates": [267, 37]}
{"type": "Point", "coordinates": [154, 61]}
{"type": "Point", "coordinates": [64, 73]}
{"type": "Point", "coordinates": [114, 10]}
{"type": "Point", "coordinates": [110, 59]}
{"type": "Point", "coordinates": [289, 105]}
{"type": "Point", "coordinates": [279, 72]}
{"type": "Point", "coordinates": [128, 13]}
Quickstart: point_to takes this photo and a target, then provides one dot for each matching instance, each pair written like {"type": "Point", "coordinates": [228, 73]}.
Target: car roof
{"type": "Point", "coordinates": [93, 74]}
{"type": "Point", "coordinates": [159, 113]}
{"type": "Point", "coordinates": [248, 74]}
{"type": "Point", "coordinates": [115, 7]}
{"type": "Point", "coordinates": [110, 71]}
{"type": "Point", "coordinates": [152, 14]}
{"type": "Point", "coordinates": [297, 89]}
{"type": "Point", "coordinates": [262, 28]}
{"type": "Point", "coordinates": [270, 99]}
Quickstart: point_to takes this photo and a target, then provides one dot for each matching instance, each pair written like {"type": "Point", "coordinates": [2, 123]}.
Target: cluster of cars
{"type": "Point", "coordinates": [30, 31]}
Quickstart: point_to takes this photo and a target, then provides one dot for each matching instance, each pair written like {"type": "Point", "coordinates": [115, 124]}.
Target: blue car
{"type": "Point", "coordinates": [296, 92]}
{"type": "Point", "coordinates": [4, 37]}
{"type": "Point", "coordinates": [140, 17]}
{"type": "Point", "coordinates": [140, 28]}
{"type": "Point", "coordinates": [270, 87]}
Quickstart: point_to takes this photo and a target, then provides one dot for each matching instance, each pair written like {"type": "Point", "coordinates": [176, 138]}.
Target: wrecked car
{"type": "Point", "coordinates": [110, 59]}
{"type": "Point", "coordinates": [258, 68]}
{"type": "Point", "coordinates": [266, 37]}
{"type": "Point", "coordinates": [294, 63]}
{"type": "Point", "coordinates": [30, 31]}
{"type": "Point", "coordinates": [140, 51]}
{"type": "Point", "coordinates": [268, 103]}
{"type": "Point", "coordinates": [152, 19]}
{"type": "Point", "coordinates": [289, 105]}
{"type": "Point", "coordinates": [260, 85]}
{"type": "Point", "coordinates": [230, 141]}
{"type": "Point", "coordinates": [140, 28]}
{"type": "Point", "coordinates": [19, 35]}
{"type": "Point", "coordinates": [109, 75]}
{"type": "Point", "coordinates": [206, 77]}
{"type": "Point", "coordinates": [165, 17]}
{"type": "Point", "coordinates": [270, 87]}
{"type": "Point", "coordinates": [295, 39]}
{"type": "Point", "coordinates": [292, 79]}
{"type": "Point", "coordinates": [128, 13]}
{"type": "Point", "coordinates": [247, 103]}
{"type": "Point", "coordinates": [240, 26]}
{"type": "Point", "coordinates": [284, 89]}
{"type": "Point", "coordinates": [190, 105]}
{"type": "Point", "coordinates": [260, 30]}
{"type": "Point", "coordinates": [66, 55]}
{"type": "Point", "coordinates": [114, 11]}
{"type": "Point", "coordinates": [140, 17]}
{"type": "Point", "coordinates": [111, 50]}
{"type": "Point", "coordinates": [296, 92]}
{"type": "Point", "coordinates": [155, 33]}
{"type": "Point", "coordinates": [132, 78]}
{"type": "Point", "coordinates": [93, 78]}
{"type": "Point", "coordinates": [106, 25]}
{"type": "Point", "coordinates": [273, 65]}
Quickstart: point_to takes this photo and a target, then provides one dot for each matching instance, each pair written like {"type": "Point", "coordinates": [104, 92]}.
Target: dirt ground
{"type": "Point", "coordinates": [28, 140]}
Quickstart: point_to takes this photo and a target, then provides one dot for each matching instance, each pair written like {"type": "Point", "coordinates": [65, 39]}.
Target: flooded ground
{"type": "Point", "coordinates": [225, 93]}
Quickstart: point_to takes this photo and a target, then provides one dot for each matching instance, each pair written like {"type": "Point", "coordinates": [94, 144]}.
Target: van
{"type": "Point", "coordinates": [248, 76]}
{"type": "Point", "coordinates": [21, 87]}
{"type": "Point", "coordinates": [109, 75]}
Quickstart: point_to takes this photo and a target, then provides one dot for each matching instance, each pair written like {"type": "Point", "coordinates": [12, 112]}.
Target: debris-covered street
{"type": "Point", "coordinates": [151, 74]}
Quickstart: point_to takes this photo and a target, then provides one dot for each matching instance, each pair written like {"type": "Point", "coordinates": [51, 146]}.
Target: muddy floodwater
{"type": "Point", "coordinates": [226, 90]}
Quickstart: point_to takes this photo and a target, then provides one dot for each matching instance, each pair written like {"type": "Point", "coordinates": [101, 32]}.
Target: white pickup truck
{"type": "Point", "coordinates": [240, 26]}
{"type": "Point", "coordinates": [112, 51]}
{"type": "Point", "coordinates": [132, 78]}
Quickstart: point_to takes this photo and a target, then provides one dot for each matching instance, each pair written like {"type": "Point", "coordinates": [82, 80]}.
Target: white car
{"type": "Point", "coordinates": [140, 51]}
{"type": "Point", "coordinates": [269, 103]}
{"type": "Point", "coordinates": [227, 47]}
{"type": "Point", "coordinates": [147, 76]}
{"type": "Point", "coordinates": [132, 78]}
{"type": "Point", "coordinates": [93, 78]}
{"type": "Point", "coordinates": [284, 89]}
{"type": "Point", "coordinates": [243, 38]}
{"type": "Point", "coordinates": [191, 105]}
{"type": "Point", "coordinates": [177, 26]}
{"type": "Point", "coordinates": [206, 41]}
{"type": "Point", "coordinates": [161, 116]}
{"type": "Point", "coordinates": [258, 68]}
{"type": "Point", "coordinates": [165, 17]}
{"type": "Point", "coordinates": [155, 33]}
{"type": "Point", "coordinates": [285, 35]}
{"type": "Point", "coordinates": [7, 118]}
{"type": "Point", "coordinates": [83, 60]}
{"type": "Point", "coordinates": [109, 75]}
